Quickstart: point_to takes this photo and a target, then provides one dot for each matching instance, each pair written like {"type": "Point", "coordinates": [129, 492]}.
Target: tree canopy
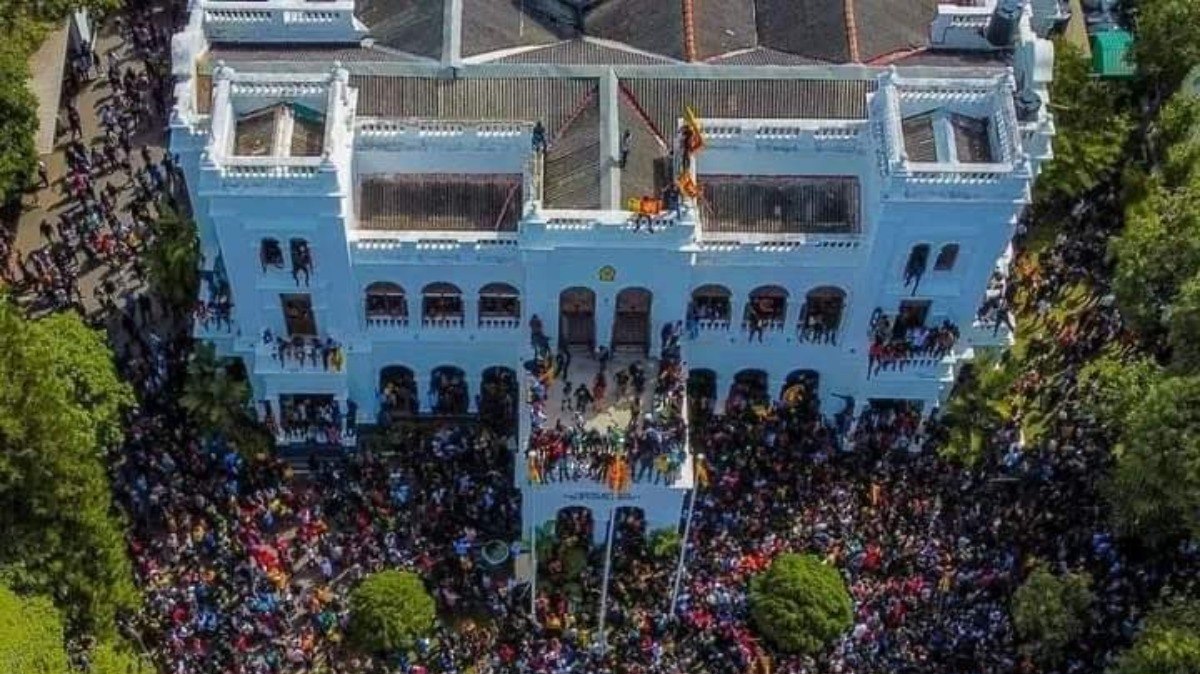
{"type": "Point", "coordinates": [60, 409]}
{"type": "Point", "coordinates": [1168, 40]}
{"type": "Point", "coordinates": [212, 395]}
{"type": "Point", "coordinates": [174, 258]}
{"type": "Point", "coordinates": [18, 109]}
{"type": "Point", "coordinates": [389, 611]}
{"type": "Point", "coordinates": [1154, 490]}
{"type": "Point", "coordinates": [1169, 642]}
{"type": "Point", "coordinates": [1050, 612]}
{"type": "Point", "coordinates": [31, 635]}
{"type": "Point", "coordinates": [1092, 126]}
{"type": "Point", "coordinates": [1112, 384]}
{"type": "Point", "coordinates": [800, 604]}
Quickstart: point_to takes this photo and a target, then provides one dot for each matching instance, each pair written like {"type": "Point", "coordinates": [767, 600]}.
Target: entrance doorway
{"type": "Point", "coordinates": [631, 328]}
{"type": "Point", "coordinates": [577, 318]}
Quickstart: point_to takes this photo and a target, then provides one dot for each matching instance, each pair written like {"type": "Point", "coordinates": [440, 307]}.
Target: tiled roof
{"type": "Point", "coordinates": [572, 168]}
{"type": "Point", "coordinates": [549, 100]}
{"type": "Point", "coordinates": [583, 52]}
{"type": "Point", "coordinates": [816, 29]}
{"type": "Point", "coordinates": [780, 205]}
{"type": "Point", "coordinates": [437, 202]}
{"type": "Point", "coordinates": [763, 56]}
{"type": "Point", "coordinates": [663, 100]}
{"type": "Point", "coordinates": [491, 25]}
{"type": "Point", "coordinates": [411, 26]}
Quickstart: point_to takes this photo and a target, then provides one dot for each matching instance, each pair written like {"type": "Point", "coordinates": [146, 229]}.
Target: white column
{"type": "Point", "coordinates": [474, 390]}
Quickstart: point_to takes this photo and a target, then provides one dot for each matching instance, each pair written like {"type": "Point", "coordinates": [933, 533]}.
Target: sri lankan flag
{"type": "Point", "coordinates": [695, 141]}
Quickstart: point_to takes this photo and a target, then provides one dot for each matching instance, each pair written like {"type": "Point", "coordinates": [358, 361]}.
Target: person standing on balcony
{"type": "Point", "coordinates": [626, 144]}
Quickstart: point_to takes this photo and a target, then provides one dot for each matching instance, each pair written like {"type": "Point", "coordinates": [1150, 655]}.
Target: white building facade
{"type": "Point", "coordinates": [388, 216]}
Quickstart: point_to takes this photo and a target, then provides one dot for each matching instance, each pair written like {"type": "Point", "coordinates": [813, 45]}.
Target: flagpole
{"type": "Point", "coordinates": [612, 520]}
{"type": "Point", "coordinates": [687, 530]}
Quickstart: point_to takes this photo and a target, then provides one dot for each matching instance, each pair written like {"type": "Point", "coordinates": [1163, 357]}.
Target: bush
{"type": "Point", "coordinates": [389, 611]}
{"type": "Point", "coordinates": [1050, 612]}
{"type": "Point", "coordinates": [1168, 644]}
{"type": "Point", "coordinates": [799, 604]}
{"type": "Point", "coordinates": [664, 543]}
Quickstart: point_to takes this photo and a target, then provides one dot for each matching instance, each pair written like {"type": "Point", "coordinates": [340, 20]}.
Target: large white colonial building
{"type": "Point", "coordinates": [409, 183]}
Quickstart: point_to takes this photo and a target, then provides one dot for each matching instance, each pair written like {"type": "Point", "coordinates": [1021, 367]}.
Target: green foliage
{"type": "Point", "coordinates": [113, 657]}
{"type": "Point", "coordinates": [1110, 385]}
{"type": "Point", "coordinates": [799, 604]}
{"type": "Point", "coordinates": [212, 395]}
{"type": "Point", "coordinates": [1183, 328]}
{"type": "Point", "coordinates": [1177, 133]}
{"type": "Point", "coordinates": [1157, 253]}
{"type": "Point", "coordinates": [664, 543]}
{"type": "Point", "coordinates": [18, 109]}
{"type": "Point", "coordinates": [18, 15]}
{"type": "Point", "coordinates": [174, 258]}
{"type": "Point", "coordinates": [1154, 490]}
{"type": "Point", "coordinates": [1092, 127]}
{"type": "Point", "coordinates": [60, 409]}
{"type": "Point", "coordinates": [1050, 612]}
{"type": "Point", "coordinates": [31, 635]}
{"type": "Point", "coordinates": [978, 406]}
{"type": "Point", "coordinates": [389, 611]}
{"type": "Point", "coordinates": [1168, 644]}
{"type": "Point", "coordinates": [1168, 40]}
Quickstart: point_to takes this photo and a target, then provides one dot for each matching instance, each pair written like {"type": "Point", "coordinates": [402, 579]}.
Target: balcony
{"type": "Point", "coordinates": [307, 355]}
{"type": "Point", "coordinates": [601, 465]}
{"type": "Point", "coordinates": [552, 228]}
{"type": "Point", "coordinates": [499, 322]}
{"type": "Point", "coordinates": [386, 323]}
{"type": "Point", "coordinates": [442, 322]}
{"type": "Point", "coordinates": [280, 20]}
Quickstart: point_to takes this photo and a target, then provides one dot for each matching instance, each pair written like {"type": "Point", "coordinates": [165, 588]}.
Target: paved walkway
{"type": "Point", "coordinates": [49, 203]}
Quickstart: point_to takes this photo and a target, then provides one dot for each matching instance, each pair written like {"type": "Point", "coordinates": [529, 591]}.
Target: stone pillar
{"type": "Point", "coordinates": [474, 390]}
{"type": "Point", "coordinates": [422, 386]}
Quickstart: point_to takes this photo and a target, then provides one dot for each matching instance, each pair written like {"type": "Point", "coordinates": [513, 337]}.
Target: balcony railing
{"type": "Point", "coordinates": [499, 322]}
{"type": "Point", "coordinates": [306, 354]}
{"type": "Point", "coordinates": [279, 20]}
{"type": "Point", "coordinates": [387, 322]}
{"type": "Point", "coordinates": [442, 322]}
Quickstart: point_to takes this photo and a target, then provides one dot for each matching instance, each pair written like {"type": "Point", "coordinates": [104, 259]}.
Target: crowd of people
{"type": "Point", "coordinates": [651, 445]}
{"type": "Point", "coordinates": [246, 561]}
{"type": "Point", "coordinates": [895, 344]}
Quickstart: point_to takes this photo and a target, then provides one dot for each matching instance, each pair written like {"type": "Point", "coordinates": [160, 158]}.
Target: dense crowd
{"type": "Point", "coordinates": [246, 561]}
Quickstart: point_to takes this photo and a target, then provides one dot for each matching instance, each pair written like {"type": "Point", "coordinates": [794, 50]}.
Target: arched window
{"type": "Point", "coordinates": [397, 393]}
{"type": "Point", "coordinates": [270, 253]}
{"type": "Point", "coordinates": [448, 391]}
{"type": "Point", "coordinates": [386, 304]}
{"type": "Point", "coordinates": [499, 306]}
{"type": "Point", "coordinates": [749, 387]}
{"type": "Point", "coordinates": [711, 307]}
{"type": "Point", "coordinates": [766, 310]}
{"type": "Point", "coordinates": [946, 257]}
{"type": "Point", "coordinates": [822, 314]}
{"type": "Point", "coordinates": [441, 305]}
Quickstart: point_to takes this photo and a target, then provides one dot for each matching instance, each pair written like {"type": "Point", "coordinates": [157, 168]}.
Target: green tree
{"type": "Point", "coordinates": [978, 406]}
{"type": "Point", "coordinates": [665, 542]}
{"type": "Point", "coordinates": [1176, 137]}
{"type": "Point", "coordinates": [117, 657]}
{"type": "Point", "coordinates": [1154, 489]}
{"type": "Point", "coordinates": [1183, 328]}
{"type": "Point", "coordinates": [1050, 612]}
{"type": "Point", "coordinates": [1158, 252]}
{"type": "Point", "coordinates": [31, 635]}
{"type": "Point", "coordinates": [1110, 385]}
{"type": "Point", "coordinates": [174, 258]}
{"type": "Point", "coordinates": [1169, 642]}
{"type": "Point", "coordinates": [16, 16]}
{"type": "Point", "coordinates": [389, 611]}
{"type": "Point", "coordinates": [1092, 127]}
{"type": "Point", "coordinates": [18, 109]}
{"type": "Point", "coordinates": [800, 604]}
{"type": "Point", "coordinates": [212, 395]}
{"type": "Point", "coordinates": [1168, 40]}
{"type": "Point", "coordinates": [60, 409]}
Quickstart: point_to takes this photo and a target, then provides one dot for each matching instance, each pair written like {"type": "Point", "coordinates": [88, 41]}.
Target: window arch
{"type": "Point", "coordinates": [946, 258]}
{"type": "Point", "coordinates": [386, 303]}
{"type": "Point", "coordinates": [441, 305]}
{"type": "Point", "coordinates": [499, 306]}
{"type": "Point", "coordinates": [448, 391]}
{"type": "Point", "coordinates": [711, 306]}
{"type": "Point", "coordinates": [821, 316]}
{"type": "Point", "coordinates": [766, 309]}
{"type": "Point", "coordinates": [397, 393]}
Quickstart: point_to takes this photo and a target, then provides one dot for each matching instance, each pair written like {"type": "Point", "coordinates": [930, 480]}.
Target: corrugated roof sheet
{"type": "Point", "coordinates": [647, 168]}
{"type": "Point", "coordinates": [441, 202]}
{"type": "Point", "coordinates": [550, 100]}
{"type": "Point", "coordinates": [972, 141]}
{"type": "Point", "coordinates": [412, 26]}
{"type": "Point", "coordinates": [920, 144]}
{"type": "Point", "coordinates": [663, 100]}
{"type": "Point", "coordinates": [572, 162]}
{"type": "Point", "coordinates": [780, 205]}
{"type": "Point", "coordinates": [582, 52]}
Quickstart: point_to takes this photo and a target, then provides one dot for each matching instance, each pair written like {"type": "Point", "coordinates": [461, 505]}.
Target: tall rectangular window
{"type": "Point", "coordinates": [298, 315]}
